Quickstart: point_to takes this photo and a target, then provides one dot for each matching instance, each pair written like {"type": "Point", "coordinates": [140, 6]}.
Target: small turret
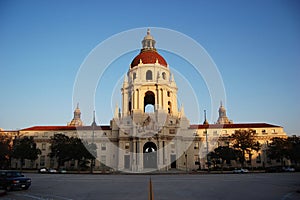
{"type": "Point", "coordinates": [223, 119]}
{"type": "Point", "coordinates": [76, 121]}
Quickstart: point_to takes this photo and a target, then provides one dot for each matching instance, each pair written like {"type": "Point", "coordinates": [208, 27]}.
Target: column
{"type": "Point", "coordinates": [160, 99]}
{"type": "Point", "coordinates": [157, 97]}
{"type": "Point", "coordinates": [138, 98]}
{"type": "Point", "coordinates": [133, 99]}
{"type": "Point", "coordinates": [140, 155]}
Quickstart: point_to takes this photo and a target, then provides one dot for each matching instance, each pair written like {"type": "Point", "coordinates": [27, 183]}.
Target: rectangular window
{"type": "Point", "coordinates": [263, 131]}
{"type": "Point", "coordinates": [42, 161]}
{"type": "Point", "coordinates": [196, 159]}
{"type": "Point", "coordinates": [204, 133]}
{"type": "Point", "coordinates": [103, 160]}
{"type": "Point", "coordinates": [103, 146]}
{"type": "Point", "coordinates": [172, 131]}
{"type": "Point", "coordinates": [196, 145]}
{"type": "Point", "coordinates": [215, 133]}
{"type": "Point", "coordinates": [44, 146]}
{"type": "Point", "coordinates": [273, 131]}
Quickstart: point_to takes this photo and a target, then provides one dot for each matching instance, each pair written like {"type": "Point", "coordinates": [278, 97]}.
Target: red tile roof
{"type": "Point", "coordinates": [236, 126]}
{"type": "Point", "coordinates": [64, 128]}
{"type": "Point", "coordinates": [148, 57]}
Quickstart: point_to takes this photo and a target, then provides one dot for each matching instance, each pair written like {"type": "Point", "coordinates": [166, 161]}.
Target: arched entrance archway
{"type": "Point", "coordinates": [150, 155]}
{"type": "Point", "coordinates": [149, 99]}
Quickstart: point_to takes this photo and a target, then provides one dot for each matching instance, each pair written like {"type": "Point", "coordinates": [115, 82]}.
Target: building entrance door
{"type": "Point", "coordinates": [173, 161]}
{"type": "Point", "coordinates": [150, 155]}
{"type": "Point", "coordinates": [127, 161]}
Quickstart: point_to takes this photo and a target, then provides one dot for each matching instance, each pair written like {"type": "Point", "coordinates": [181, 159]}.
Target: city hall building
{"type": "Point", "coordinates": [137, 140]}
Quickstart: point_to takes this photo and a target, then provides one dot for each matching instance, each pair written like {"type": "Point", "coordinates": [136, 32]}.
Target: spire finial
{"type": "Point", "coordinates": [205, 120]}
{"type": "Point", "coordinates": [94, 119]}
{"type": "Point", "coordinates": [77, 105]}
{"type": "Point", "coordinates": [148, 42]}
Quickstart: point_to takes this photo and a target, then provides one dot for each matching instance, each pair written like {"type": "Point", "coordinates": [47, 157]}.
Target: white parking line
{"type": "Point", "coordinates": [42, 196]}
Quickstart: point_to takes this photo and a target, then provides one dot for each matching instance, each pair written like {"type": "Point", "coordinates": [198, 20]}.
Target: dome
{"type": "Point", "coordinates": [148, 57]}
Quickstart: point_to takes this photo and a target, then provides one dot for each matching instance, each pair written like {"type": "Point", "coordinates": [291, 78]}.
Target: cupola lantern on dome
{"type": "Point", "coordinates": [148, 42]}
{"type": "Point", "coordinates": [148, 54]}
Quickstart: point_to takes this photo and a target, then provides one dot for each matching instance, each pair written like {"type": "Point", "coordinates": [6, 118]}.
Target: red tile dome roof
{"type": "Point", "coordinates": [148, 57]}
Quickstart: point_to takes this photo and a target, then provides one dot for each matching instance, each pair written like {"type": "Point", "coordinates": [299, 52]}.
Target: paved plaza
{"type": "Point", "coordinates": [180, 186]}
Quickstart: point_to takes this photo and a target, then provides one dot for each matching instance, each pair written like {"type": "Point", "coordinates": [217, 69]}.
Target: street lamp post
{"type": "Point", "coordinates": [93, 143]}
{"type": "Point", "coordinates": [207, 159]}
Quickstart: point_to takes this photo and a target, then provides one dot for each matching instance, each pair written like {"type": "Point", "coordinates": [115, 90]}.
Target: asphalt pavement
{"type": "Point", "coordinates": [265, 186]}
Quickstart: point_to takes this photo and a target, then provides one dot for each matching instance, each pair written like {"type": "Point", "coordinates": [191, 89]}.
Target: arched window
{"type": "Point", "coordinates": [149, 99]}
{"type": "Point", "coordinates": [169, 107]}
{"type": "Point", "coordinates": [134, 76]}
{"type": "Point", "coordinates": [164, 76]}
{"type": "Point", "coordinates": [149, 75]}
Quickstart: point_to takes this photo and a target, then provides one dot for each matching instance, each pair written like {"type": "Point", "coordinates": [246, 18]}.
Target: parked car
{"type": "Point", "coordinates": [13, 180]}
{"type": "Point", "coordinates": [240, 171]}
{"type": "Point", "coordinates": [52, 171]}
{"type": "Point", "coordinates": [62, 171]}
{"type": "Point", "coordinates": [43, 170]}
{"type": "Point", "coordinates": [288, 169]}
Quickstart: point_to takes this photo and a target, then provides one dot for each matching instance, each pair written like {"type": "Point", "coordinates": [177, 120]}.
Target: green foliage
{"type": "Point", "coordinates": [294, 149]}
{"type": "Point", "coordinates": [66, 148]}
{"type": "Point", "coordinates": [60, 148]}
{"type": "Point", "coordinates": [245, 141]}
{"type": "Point", "coordinates": [25, 148]}
{"type": "Point", "coordinates": [5, 150]}
{"type": "Point", "coordinates": [224, 153]}
{"type": "Point", "coordinates": [285, 148]}
{"type": "Point", "coordinates": [277, 150]}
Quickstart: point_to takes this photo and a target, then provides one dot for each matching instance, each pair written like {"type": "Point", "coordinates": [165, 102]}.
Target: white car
{"type": "Point", "coordinates": [52, 171]}
{"type": "Point", "coordinates": [288, 169]}
{"type": "Point", "coordinates": [240, 171]}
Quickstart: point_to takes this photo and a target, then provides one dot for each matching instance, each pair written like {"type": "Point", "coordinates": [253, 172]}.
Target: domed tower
{"type": "Point", "coordinates": [149, 83]}
{"type": "Point", "coordinates": [76, 121]}
{"type": "Point", "coordinates": [149, 111]}
{"type": "Point", "coordinates": [223, 119]}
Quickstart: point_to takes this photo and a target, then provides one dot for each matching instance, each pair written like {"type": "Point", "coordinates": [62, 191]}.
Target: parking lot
{"type": "Point", "coordinates": [180, 186]}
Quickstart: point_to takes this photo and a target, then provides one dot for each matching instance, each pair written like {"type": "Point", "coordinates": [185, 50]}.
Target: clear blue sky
{"type": "Point", "coordinates": [255, 45]}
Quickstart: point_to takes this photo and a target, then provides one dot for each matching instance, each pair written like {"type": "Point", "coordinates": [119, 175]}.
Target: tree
{"type": "Point", "coordinates": [65, 149]}
{"type": "Point", "coordinates": [60, 148]}
{"type": "Point", "coordinates": [5, 150]}
{"type": "Point", "coordinates": [244, 141]}
{"type": "Point", "coordinates": [284, 148]}
{"type": "Point", "coordinates": [293, 149]}
{"type": "Point", "coordinates": [224, 153]}
{"type": "Point", "coordinates": [25, 148]}
{"type": "Point", "coordinates": [277, 149]}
